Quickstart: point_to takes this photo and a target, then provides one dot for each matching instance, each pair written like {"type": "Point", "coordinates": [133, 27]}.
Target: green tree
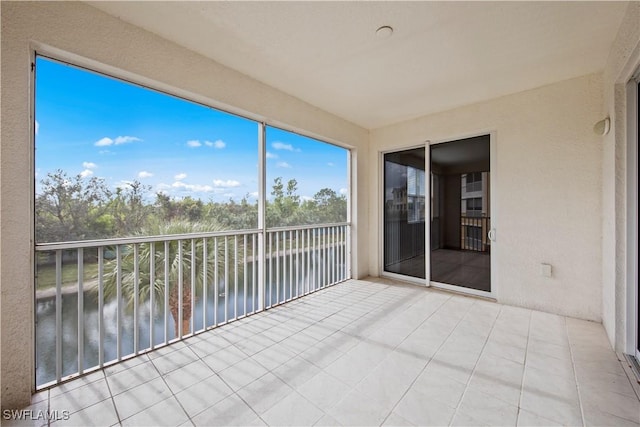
{"type": "Point", "coordinates": [185, 265]}
{"type": "Point", "coordinates": [71, 208]}
{"type": "Point", "coordinates": [128, 208]}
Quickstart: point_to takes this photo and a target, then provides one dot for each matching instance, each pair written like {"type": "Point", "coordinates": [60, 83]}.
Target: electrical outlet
{"type": "Point", "coordinates": [545, 270]}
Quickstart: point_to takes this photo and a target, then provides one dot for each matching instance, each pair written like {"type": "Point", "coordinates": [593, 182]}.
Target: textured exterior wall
{"type": "Point", "coordinates": [87, 36]}
{"type": "Point", "coordinates": [547, 176]}
{"type": "Point", "coordinates": [624, 58]}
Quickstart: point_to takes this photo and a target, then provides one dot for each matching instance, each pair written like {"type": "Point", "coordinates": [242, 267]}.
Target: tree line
{"type": "Point", "coordinates": [70, 208]}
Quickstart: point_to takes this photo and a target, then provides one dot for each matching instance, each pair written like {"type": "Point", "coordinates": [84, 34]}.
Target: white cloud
{"type": "Point", "coordinates": [219, 144]}
{"type": "Point", "coordinates": [180, 176]}
{"type": "Point", "coordinates": [307, 198]}
{"type": "Point", "coordinates": [194, 143]}
{"type": "Point", "coordinates": [106, 141]}
{"type": "Point", "coordinates": [343, 191]}
{"type": "Point", "coordinates": [37, 125]}
{"type": "Point", "coordinates": [144, 174]}
{"type": "Point", "coordinates": [225, 184]}
{"type": "Point", "coordinates": [126, 139]}
{"type": "Point", "coordinates": [254, 194]}
{"type": "Point", "coordinates": [283, 165]}
{"type": "Point", "coordinates": [271, 155]}
{"type": "Point", "coordinates": [277, 145]}
{"type": "Point", "coordinates": [331, 164]}
{"type": "Point", "coordinates": [192, 187]}
{"type": "Point", "coordinates": [86, 173]}
{"type": "Point", "coordinates": [89, 165]}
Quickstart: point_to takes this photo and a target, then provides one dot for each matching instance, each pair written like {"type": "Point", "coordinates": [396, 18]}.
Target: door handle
{"type": "Point", "coordinates": [492, 234]}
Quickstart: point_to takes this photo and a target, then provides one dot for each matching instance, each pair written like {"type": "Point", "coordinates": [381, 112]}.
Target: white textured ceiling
{"type": "Point", "coordinates": [440, 56]}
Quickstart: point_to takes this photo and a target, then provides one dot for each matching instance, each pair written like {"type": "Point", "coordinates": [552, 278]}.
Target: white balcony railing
{"type": "Point", "coordinates": [100, 302]}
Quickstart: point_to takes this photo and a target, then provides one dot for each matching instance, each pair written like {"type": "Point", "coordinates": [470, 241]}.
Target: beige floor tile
{"type": "Point", "coordinates": [231, 411]}
{"type": "Point", "coordinates": [165, 413]}
{"type": "Point", "coordinates": [529, 419]}
{"type": "Point", "coordinates": [356, 408]}
{"type": "Point", "coordinates": [123, 380]}
{"type": "Point", "coordinates": [323, 390]}
{"type": "Point", "coordinates": [82, 397]}
{"type": "Point", "coordinates": [139, 398]}
{"type": "Point", "coordinates": [242, 373]}
{"type": "Point", "coordinates": [100, 414]}
{"type": "Point", "coordinates": [293, 410]}
{"type": "Point", "coordinates": [487, 409]}
{"type": "Point", "coordinates": [264, 392]}
{"type": "Point", "coordinates": [174, 360]}
{"type": "Point", "coordinates": [419, 410]}
{"type": "Point", "coordinates": [203, 395]}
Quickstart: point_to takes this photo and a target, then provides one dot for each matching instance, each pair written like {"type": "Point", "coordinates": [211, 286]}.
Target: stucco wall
{"type": "Point", "coordinates": [87, 36]}
{"type": "Point", "coordinates": [623, 59]}
{"type": "Point", "coordinates": [547, 176]}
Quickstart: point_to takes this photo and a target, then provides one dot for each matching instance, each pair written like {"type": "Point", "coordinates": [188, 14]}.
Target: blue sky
{"type": "Point", "coordinates": [93, 125]}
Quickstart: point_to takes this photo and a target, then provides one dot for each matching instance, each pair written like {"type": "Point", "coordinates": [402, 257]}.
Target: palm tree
{"type": "Point", "coordinates": [180, 262]}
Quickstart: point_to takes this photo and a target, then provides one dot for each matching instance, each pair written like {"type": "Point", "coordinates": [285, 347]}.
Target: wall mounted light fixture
{"type": "Point", "coordinates": [602, 127]}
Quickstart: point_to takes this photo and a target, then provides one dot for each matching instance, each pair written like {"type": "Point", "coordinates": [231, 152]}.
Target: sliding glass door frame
{"type": "Point", "coordinates": [633, 292]}
{"type": "Point", "coordinates": [494, 218]}
{"type": "Point", "coordinates": [381, 191]}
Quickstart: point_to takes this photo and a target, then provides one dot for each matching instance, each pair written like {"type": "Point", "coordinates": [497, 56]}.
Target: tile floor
{"type": "Point", "coordinates": [365, 353]}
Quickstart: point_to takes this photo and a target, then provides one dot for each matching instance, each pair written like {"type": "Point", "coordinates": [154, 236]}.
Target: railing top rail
{"type": "Point", "coordinates": [138, 239]}
{"type": "Point", "coordinates": [306, 227]}
{"type": "Point", "coordinates": [52, 246]}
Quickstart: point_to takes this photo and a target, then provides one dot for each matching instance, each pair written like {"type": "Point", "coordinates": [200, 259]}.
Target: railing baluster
{"type": "Point", "coordinates": [119, 302]}
{"type": "Point", "coordinates": [297, 263]}
{"type": "Point", "coordinates": [167, 248]}
{"type": "Point", "coordinates": [270, 268]}
{"type": "Point", "coordinates": [101, 306]}
{"type": "Point", "coordinates": [193, 286]}
{"type": "Point", "coordinates": [244, 272]}
{"type": "Point", "coordinates": [254, 270]}
{"type": "Point", "coordinates": [58, 315]}
{"type": "Point", "coordinates": [235, 277]}
{"type": "Point", "coordinates": [277, 267]}
{"type": "Point", "coordinates": [226, 279]}
{"type": "Point", "coordinates": [152, 282]}
{"type": "Point", "coordinates": [80, 310]}
{"type": "Point", "coordinates": [216, 282]}
{"type": "Point", "coordinates": [205, 282]}
{"type": "Point", "coordinates": [290, 265]}
{"type": "Point", "coordinates": [178, 321]}
{"type": "Point", "coordinates": [136, 279]}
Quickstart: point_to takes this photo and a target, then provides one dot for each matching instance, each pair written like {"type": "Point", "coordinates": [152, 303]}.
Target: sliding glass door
{"type": "Point", "coordinates": [404, 213]}
{"type": "Point", "coordinates": [461, 214]}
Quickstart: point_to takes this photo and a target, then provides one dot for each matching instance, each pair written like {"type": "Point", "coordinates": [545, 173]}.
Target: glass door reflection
{"type": "Point", "coordinates": [404, 213]}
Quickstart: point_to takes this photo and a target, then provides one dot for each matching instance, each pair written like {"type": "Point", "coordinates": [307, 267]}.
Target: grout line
{"type": "Point", "coordinates": [524, 369]}
{"type": "Point", "coordinates": [575, 374]}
